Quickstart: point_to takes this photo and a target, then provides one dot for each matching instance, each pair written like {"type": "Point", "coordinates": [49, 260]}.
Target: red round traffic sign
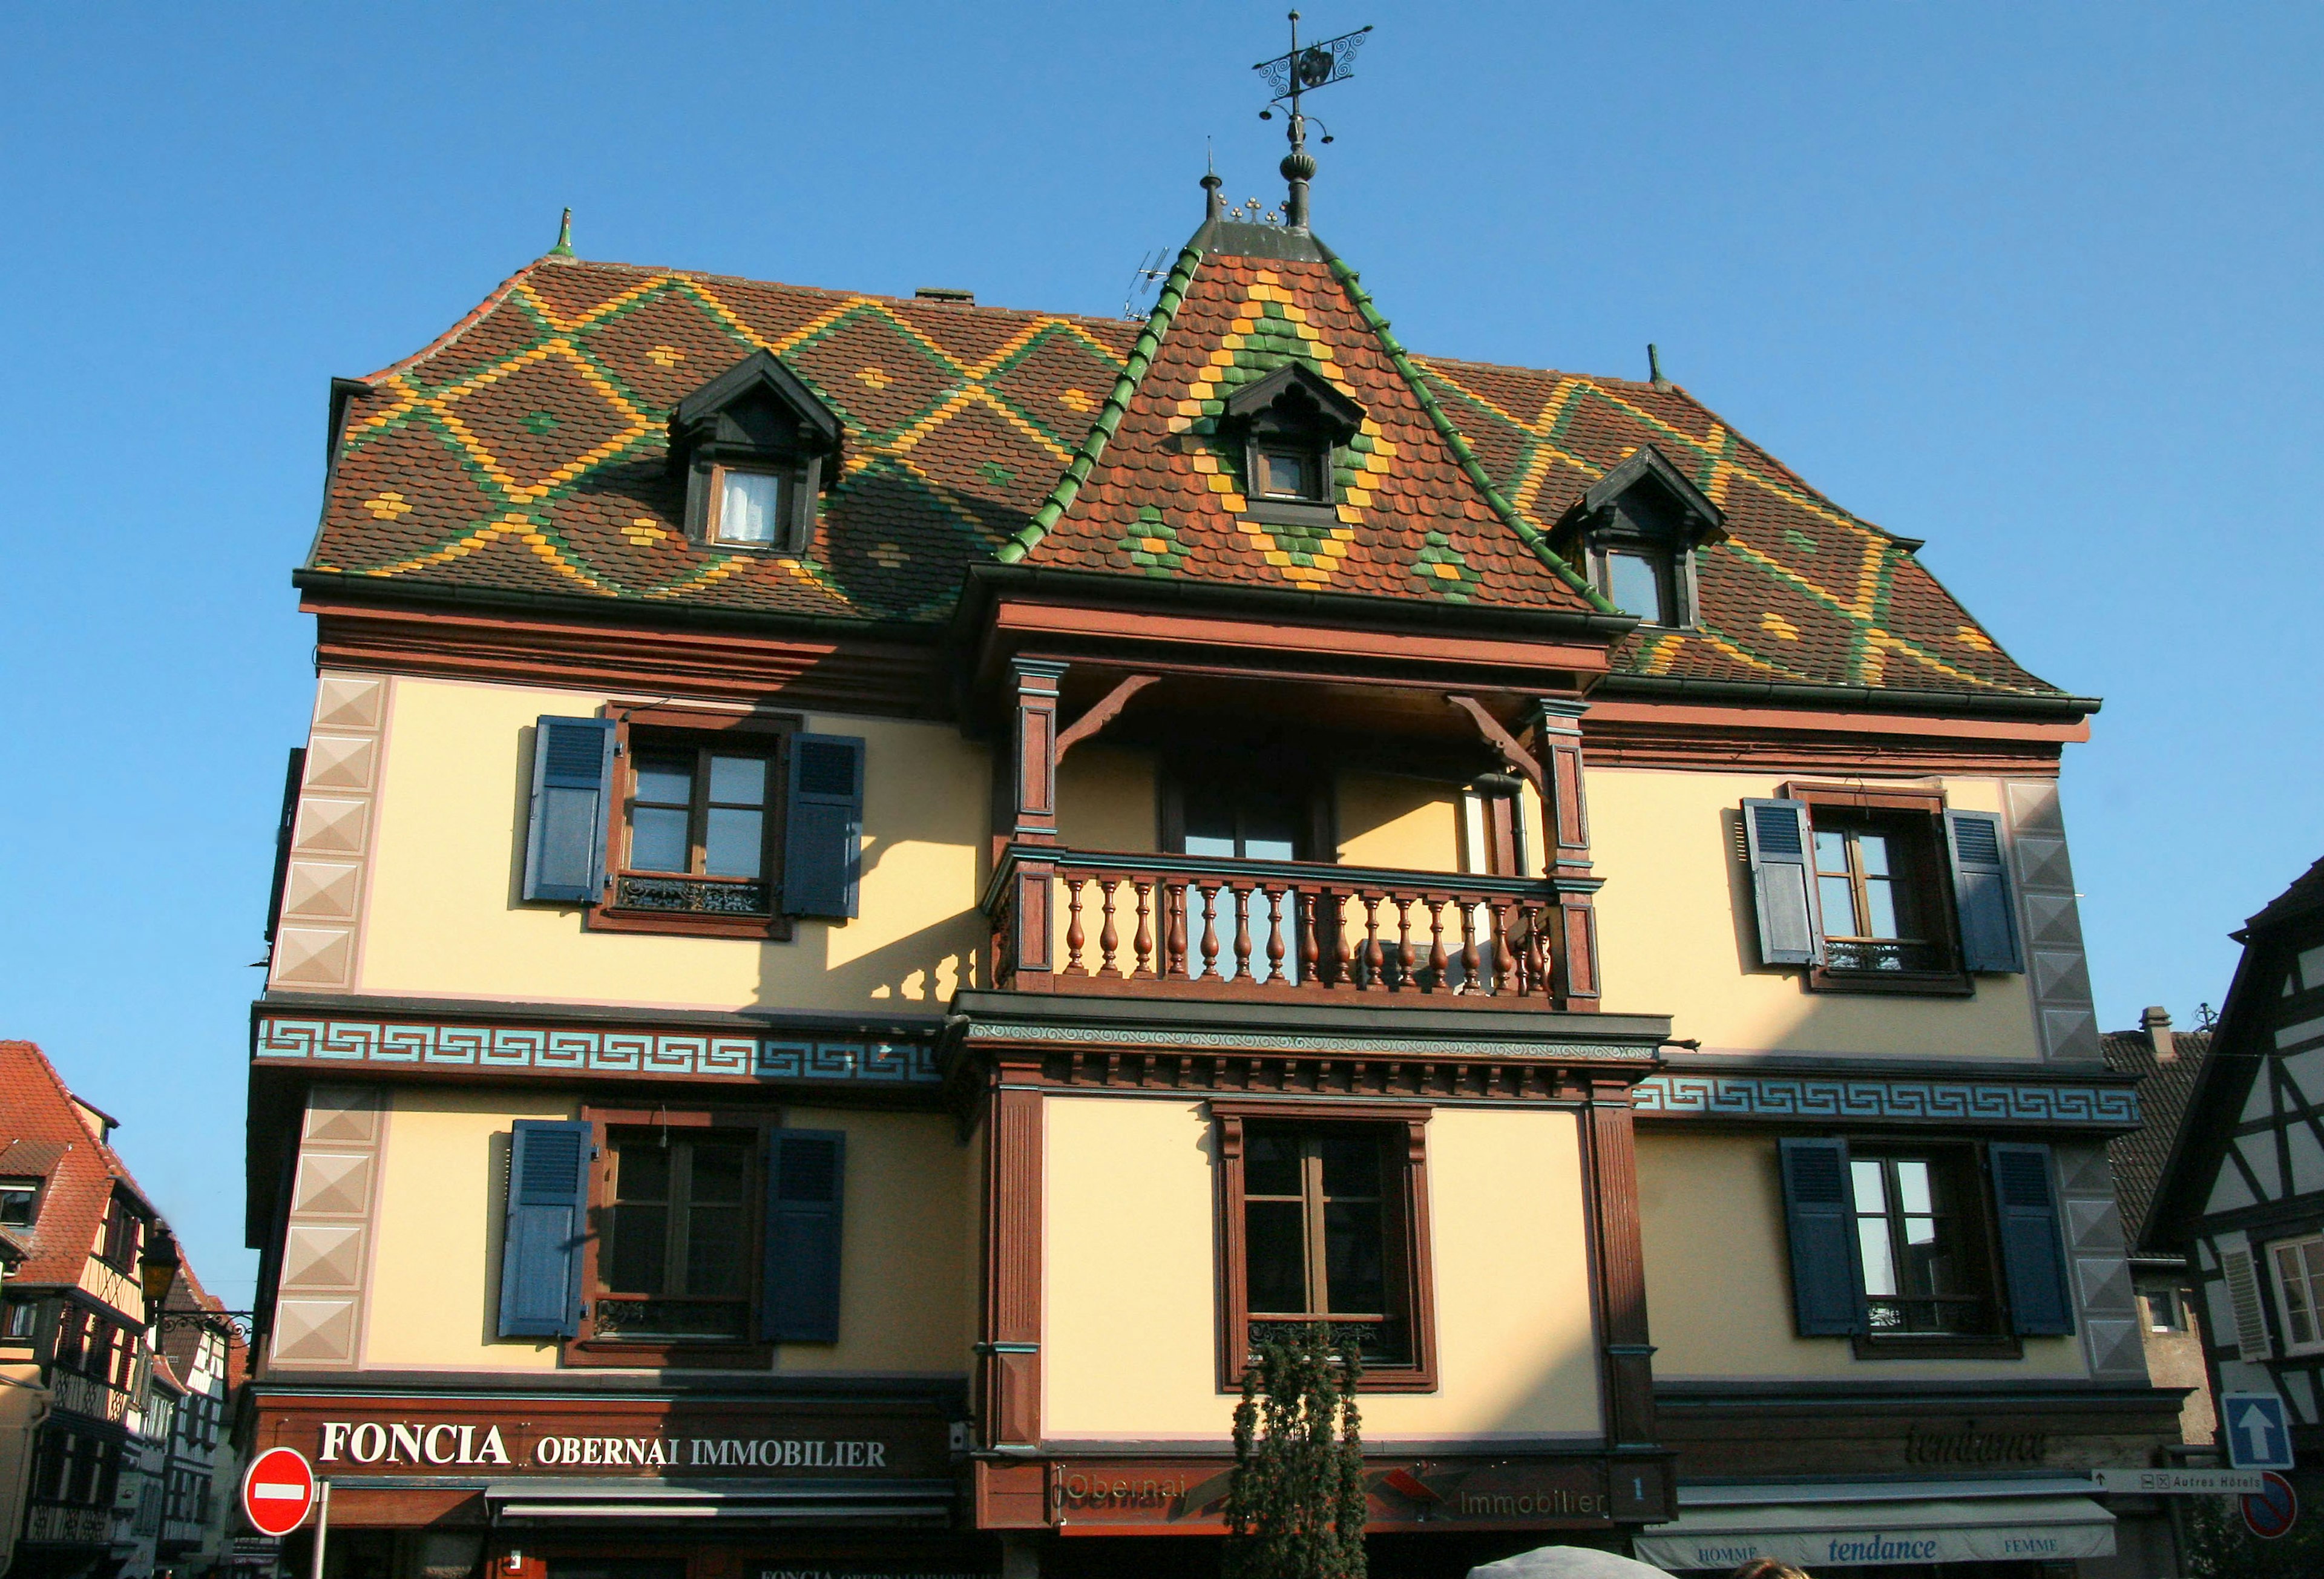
{"type": "Point", "coordinates": [278, 1490]}
{"type": "Point", "coordinates": [2273, 1511]}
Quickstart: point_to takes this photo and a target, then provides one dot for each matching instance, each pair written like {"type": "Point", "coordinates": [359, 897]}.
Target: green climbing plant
{"type": "Point", "coordinates": [1296, 1502]}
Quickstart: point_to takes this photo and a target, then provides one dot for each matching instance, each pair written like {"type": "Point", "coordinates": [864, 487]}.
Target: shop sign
{"type": "Point", "coordinates": [348, 1437]}
{"type": "Point", "coordinates": [1437, 1494]}
{"type": "Point", "coordinates": [2181, 1483]}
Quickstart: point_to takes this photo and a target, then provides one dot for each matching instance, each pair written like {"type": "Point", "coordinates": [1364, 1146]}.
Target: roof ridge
{"type": "Point", "coordinates": [1117, 402]}
{"type": "Point", "coordinates": [1470, 467]}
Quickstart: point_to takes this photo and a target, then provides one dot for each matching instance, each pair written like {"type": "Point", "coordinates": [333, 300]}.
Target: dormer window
{"type": "Point", "coordinates": [1288, 422]}
{"type": "Point", "coordinates": [757, 447]}
{"type": "Point", "coordinates": [1634, 534]}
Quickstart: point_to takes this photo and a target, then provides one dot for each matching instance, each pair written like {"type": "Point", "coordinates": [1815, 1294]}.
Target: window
{"type": "Point", "coordinates": [2300, 1292]}
{"type": "Point", "coordinates": [18, 1318]}
{"type": "Point", "coordinates": [694, 820]}
{"type": "Point", "coordinates": [1326, 1222]}
{"type": "Point", "coordinates": [2166, 1310]}
{"type": "Point", "coordinates": [674, 1261]}
{"type": "Point", "coordinates": [1924, 1250]}
{"type": "Point", "coordinates": [119, 1250]}
{"type": "Point", "coordinates": [700, 817]}
{"type": "Point", "coordinates": [748, 512]}
{"type": "Point", "coordinates": [1293, 474]}
{"type": "Point", "coordinates": [1873, 886]}
{"type": "Point", "coordinates": [1637, 580]}
{"type": "Point", "coordinates": [1880, 888]}
{"type": "Point", "coordinates": [1924, 1265]}
{"type": "Point", "coordinates": [20, 1201]}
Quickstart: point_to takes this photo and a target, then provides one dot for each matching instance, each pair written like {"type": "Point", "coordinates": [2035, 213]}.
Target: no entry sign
{"type": "Point", "coordinates": [278, 1490]}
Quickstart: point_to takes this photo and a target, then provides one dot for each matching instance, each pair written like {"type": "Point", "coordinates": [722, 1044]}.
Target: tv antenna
{"type": "Point", "coordinates": [1154, 266]}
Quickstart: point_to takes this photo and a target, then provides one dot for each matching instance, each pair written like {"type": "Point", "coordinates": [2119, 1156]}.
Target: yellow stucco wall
{"type": "Point", "coordinates": [905, 1299]}
{"type": "Point", "coordinates": [1718, 1279]}
{"type": "Point", "coordinates": [904, 1246]}
{"type": "Point", "coordinates": [1108, 799]}
{"type": "Point", "coordinates": [1129, 1326]}
{"type": "Point", "coordinates": [443, 918]}
{"type": "Point", "coordinates": [435, 1273]}
{"type": "Point", "coordinates": [1389, 821]}
{"type": "Point", "coordinates": [1676, 933]}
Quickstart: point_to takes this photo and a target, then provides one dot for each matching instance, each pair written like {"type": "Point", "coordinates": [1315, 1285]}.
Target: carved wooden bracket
{"type": "Point", "coordinates": [1103, 714]}
{"type": "Point", "coordinates": [1521, 761]}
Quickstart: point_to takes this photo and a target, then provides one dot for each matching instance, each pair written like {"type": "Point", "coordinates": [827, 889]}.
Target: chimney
{"type": "Point", "coordinates": [2156, 1022]}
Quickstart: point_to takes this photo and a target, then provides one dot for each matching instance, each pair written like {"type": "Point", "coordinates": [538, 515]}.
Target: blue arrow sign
{"type": "Point", "coordinates": [2258, 1436]}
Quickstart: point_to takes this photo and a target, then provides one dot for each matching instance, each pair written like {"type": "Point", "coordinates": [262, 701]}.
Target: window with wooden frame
{"type": "Point", "coordinates": [748, 508]}
{"type": "Point", "coordinates": [1919, 1229]}
{"type": "Point", "coordinates": [1880, 888]}
{"type": "Point", "coordinates": [1323, 1219]}
{"type": "Point", "coordinates": [702, 818]}
{"type": "Point", "coordinates": [118, 1249]}
{"type": "Point", "coordinates": [2300, 1292]}
{"type": "Point", "coordinates": [20, 1201]}
{"type": "Point", "coordinates": [673, 1264]}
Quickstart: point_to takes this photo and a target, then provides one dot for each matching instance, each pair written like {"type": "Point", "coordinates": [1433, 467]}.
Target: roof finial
{"type": "Point", "coordinates": [564, 247]}
{"type": "Point", "coordinates": [1302, 71]}
{"type": "Point", "coordinates": [1215, 206]}
{"type": "Point", "coordinates": [1655, 367]}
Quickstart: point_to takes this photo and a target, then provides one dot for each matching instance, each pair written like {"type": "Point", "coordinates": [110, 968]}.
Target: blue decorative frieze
{"type": "Point", "coordinates": [1894, 1101]}
{"type": "Point", "coordinates": [542, 1051]}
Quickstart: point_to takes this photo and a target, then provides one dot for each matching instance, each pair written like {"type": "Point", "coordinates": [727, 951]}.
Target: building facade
{"type": "Point", "coordinates": [878, 885]}
{"type": "Point", "coordinates": [77, 1312]}
{"type": "Point", "coordinates": [2243, 1191]}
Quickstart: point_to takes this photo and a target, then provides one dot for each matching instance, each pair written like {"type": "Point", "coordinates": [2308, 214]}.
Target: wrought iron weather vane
{"type": "Point", "coordinates": [1304, 71]}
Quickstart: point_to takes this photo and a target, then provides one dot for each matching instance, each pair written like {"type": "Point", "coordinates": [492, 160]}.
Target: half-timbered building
{"type": "Point", "coordinates": [876, 883]}
{"type": "Point", "coordinates": [2243, 1191]}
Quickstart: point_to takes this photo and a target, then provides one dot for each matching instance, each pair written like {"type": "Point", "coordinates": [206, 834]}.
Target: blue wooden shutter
{"type": "Point", "coordinates": [1988, 930]}
{"type": "Point", "coordinates": [572, 791]}
{"type": "Point", "coordinates": [548, 1220]}
{"type": "Point", "coordinates": [822, 837]}
{"type": "Point", "coordinates": [1777, 837]}
{"type": "Point", "coordinates": [1819, 1208]}
{"type": "Point", "coordinates": [2032, 1255]}
{"type": "Point", "coordinates": [798, 1301]}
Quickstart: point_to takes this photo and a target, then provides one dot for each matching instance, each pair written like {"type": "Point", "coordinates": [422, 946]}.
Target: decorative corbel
{"type": "Point", "coordinates": [1520, 760]}
{"type": "Point", "coordinates": [1103, 714]}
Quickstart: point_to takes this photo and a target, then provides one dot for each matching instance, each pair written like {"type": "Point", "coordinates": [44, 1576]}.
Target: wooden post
{"type": "Point", "coordinates": [1621, 1268]}
{"type": "Point", "coordinates": [1010, 1354]}
{"type": "Point", "coordinates": [1035, 736]}
{"type": "Point", "coordinates": [1565, 808]}
{"type": "Point", "coordinates": [1026, 814]}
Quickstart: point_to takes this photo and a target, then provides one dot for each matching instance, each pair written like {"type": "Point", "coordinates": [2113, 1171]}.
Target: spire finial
{"type": "Point", "coordinates": [1304, 71]}
{"type": "Point", "coordinates": [564, 247]}
{"type": "Point", "coordinates": [1215, 206]}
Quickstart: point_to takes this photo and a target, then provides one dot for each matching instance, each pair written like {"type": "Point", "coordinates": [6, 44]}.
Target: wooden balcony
{"type": "Point", "coordinates": [1202, 927]}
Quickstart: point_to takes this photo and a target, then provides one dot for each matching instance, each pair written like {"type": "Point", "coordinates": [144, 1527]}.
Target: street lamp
{"type": "Point", "coordinates": [157, 1269]}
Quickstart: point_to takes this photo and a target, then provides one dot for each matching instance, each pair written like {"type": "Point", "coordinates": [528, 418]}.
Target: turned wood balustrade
{"type": "Point", "coordinates": [1198, 925]}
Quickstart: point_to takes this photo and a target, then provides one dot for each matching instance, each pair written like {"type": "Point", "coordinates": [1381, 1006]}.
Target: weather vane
{"type": "Point", "coordinates": [1304, 71]}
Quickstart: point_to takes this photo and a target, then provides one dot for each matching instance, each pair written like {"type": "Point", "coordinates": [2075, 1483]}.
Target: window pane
{"type": "Point", "coordinates": [657, 838]}
{"type": "Point", "coordinates": [1634, 583]}
{"type": "Point", "coordinates": [1871, 1186]}
{"type": "Point", "coordinates": [1879, 1266]}
{"type": "Point", "coordinates": [1838, 907]}
{"type": "Point", "coordinates": [1832, 852]}
{"type": "Point", "coordinates": [1872, 849]}
{"type": "Point", "coordinates": [1270, 1163]}
{"type": "Point", "coordinates": [641, 1170]}
{"type": "Point", "coordinates": [640, 1237]}
{"type": "Point", "coordinates": [1275, 1258]}
{"type": "Point", "coordinates": [1270, 829]}
{"type": "Point", "coordinates": [720, 1175]}
{"type": "Point", "coordinates": [1351, 1166]}
{"type": "Point", "coordinates": [1915, 1191]}
{"type": "Point", "coordinates": [1288, 472]}
{"type": "Point", "coordinates": [738, 780]}
{"type": "Point", "coordinates": [714, 1251]}
{"type": "Point", "coordinates": [746, 508]}
{"type": "Point", "coordinates": [1880, 900]}
{"type": "Point", "coordinates": [1353, 1259]}
{"type": "Point", "coordinates": [666, 780]}
{"type": "Point", "coordinates": [1210, 820]}
{"type": "Point", "coordinates": [733, 844]}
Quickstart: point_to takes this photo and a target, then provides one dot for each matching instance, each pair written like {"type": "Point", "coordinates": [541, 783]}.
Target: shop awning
{"type": "Point", "coordinates": [611, 1500]}
{"type": "Point", "coordinates": [1878, 1524]}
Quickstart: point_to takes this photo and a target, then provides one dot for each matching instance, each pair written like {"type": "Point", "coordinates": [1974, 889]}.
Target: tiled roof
{"type": "Point", "coordinates": [41, 1136]}
{"type": "Point", "coordinates": [2306, 894]}
{"type": "Point", "coordinates": [2140, 1157]}
{"type": "Point", "coordinates": [523, 452]}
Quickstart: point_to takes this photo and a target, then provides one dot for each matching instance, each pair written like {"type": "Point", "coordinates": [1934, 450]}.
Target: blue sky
{"type": "Point", "coordinates": [2034, 283]}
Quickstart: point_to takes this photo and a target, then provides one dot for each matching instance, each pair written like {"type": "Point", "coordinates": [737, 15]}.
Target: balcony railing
{"type": "Point", "coordinates": [1204, 927]}
{"type": "Point", "coordinates": [82, 1395]}
{"type": "Point", "coordinates": [47, 1522]}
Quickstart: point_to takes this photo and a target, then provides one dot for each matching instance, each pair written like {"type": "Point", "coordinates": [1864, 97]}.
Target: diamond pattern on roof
{"type": "Point", "coordinates": [524, 450]}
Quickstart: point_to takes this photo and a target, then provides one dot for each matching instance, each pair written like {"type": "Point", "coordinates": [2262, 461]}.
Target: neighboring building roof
{"type": "Point", "coordinates": [522, 453]}
{"type": "Point", "coordinates": [2165, 1090]}
{"type": "Point", "coordinates": [42, 1135]}
{"type": "Point", "coordinates": [2306, 894]}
